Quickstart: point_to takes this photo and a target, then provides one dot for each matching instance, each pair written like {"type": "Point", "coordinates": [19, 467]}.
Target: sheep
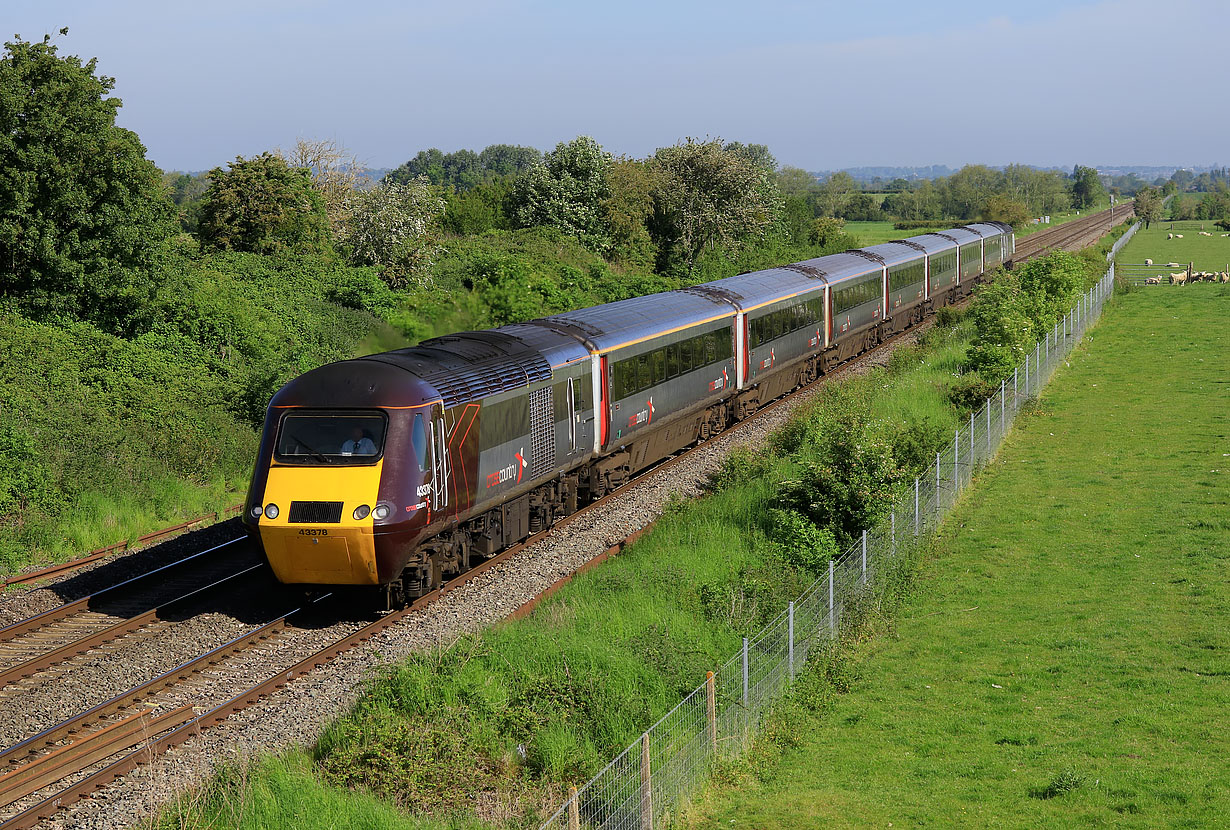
{"type": "Point", "coordinates": [1174, 265]}
{"type": "Point", "coordinates": [1205, 233]}
{"type": "Point", "coordinates": [1170, 236]}
{"type": "Point", "coordinates": [1179, 278]}
{"type": "Point", "coordinates": [1226, 234]}
{"type": "Point", "coordinates": [1225, 277]}
{"type": "Point", "coordinates": [1178, 236]}
{"type": "Point", "coordinates": [1153, 281]}
{"type": "Point", "coordinates": [1148, 262]}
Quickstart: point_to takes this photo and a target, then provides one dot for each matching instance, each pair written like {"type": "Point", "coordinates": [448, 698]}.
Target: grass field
{"type": "Point", "coordinates": [1206, 253]}
{"type": "Point", "coordinates": [1066, 659]}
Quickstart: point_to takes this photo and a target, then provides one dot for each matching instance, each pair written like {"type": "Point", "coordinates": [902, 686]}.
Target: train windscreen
{"type": "Point", "coordinates": [328, 438]}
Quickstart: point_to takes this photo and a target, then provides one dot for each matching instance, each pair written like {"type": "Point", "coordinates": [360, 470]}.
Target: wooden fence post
{"type": "Point", "coordinates": [574, 810]}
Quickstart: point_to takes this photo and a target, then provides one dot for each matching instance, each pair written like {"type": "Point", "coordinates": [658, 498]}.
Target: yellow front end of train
{"type": "Point", "coordinates": [334, 549]}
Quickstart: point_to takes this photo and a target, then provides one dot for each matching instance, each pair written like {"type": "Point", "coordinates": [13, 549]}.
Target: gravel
{"type": "Point", "coordinates": [298, 712]}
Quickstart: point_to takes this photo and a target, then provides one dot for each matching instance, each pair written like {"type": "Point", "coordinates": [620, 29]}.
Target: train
{"type": "Point", "coordinates": [400, 470]}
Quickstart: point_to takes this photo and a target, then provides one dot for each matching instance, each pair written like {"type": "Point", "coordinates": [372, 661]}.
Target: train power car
{"type": "Point", "coordinates": [399, 470]}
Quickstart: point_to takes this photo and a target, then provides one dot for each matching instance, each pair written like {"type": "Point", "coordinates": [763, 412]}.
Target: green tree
{"type": "Point", "coordinates": [82, 211]}
{"type": "Point", "coordinates": [1086, 187]}
{"type": "Point", "coordinates": [566, 191]}
{"type": "Point", "coordinates": [1001, 208]}
{"type": "Point", "coordinates": [795, 181]}
{"type": "Point", "coordinates": [627, 209]}
{"type": "Point", "coordinates": [1148, 206]}
{"type": "Point", "coordinates": [704, 196]}
{"type": "Point", "coordinates": [832, 196]}
{"type": "Point", "coordinates": [263, 205]}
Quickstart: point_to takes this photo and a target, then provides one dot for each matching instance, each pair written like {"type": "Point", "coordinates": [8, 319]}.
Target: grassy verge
{"type": "Point", "coordinates": [1064, 659]}
{"type": "Point", "coordinates": [491, 730]}
{"type": "Point", "coordinates": [1206, 253]}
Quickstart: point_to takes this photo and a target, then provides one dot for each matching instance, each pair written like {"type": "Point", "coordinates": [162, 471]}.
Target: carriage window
{"type": "Point", "coordinates": [725, 343]}
{"type": "Point", "coordinates": [672, 360]}
{"type": "Point", "coordinates": [659, 366]}
{"type": "Point", "coordinates": [643, 378]}
{"type": "Point", "coordinates": [685, 356]}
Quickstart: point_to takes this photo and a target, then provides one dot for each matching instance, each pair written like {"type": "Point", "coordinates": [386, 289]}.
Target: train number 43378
{"type": "Point", "coordinates": [313, 531]}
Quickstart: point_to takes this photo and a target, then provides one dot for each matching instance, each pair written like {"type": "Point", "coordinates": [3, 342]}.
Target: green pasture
{"type": "Point", "coordinates": [1065, 658]}
{"type": "Point", "coordinates": [1206, 253]}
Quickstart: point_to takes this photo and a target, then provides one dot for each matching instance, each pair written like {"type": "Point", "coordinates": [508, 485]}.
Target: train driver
{"type": "Point", "coordinates": [358, 443]}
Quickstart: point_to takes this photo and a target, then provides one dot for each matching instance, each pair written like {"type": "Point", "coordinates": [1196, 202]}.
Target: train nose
{"type": "Point", "coordinates": [317, 525]}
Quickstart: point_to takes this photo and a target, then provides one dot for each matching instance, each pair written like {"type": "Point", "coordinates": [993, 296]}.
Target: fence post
{"type": "Point", "coordinates": [988, 430]}
{"type": "Point", "coordinates": [937, 489]}
{"type": "Point", "coordinates": [915, 506]}
{"type": "Point", "coordinates": [1027, 375]}
{"type": "Point", "coordinates": [972, 450]}
{"type": "Point", "coordinates": [1003, 397]}
{"type": "Point", "coordinates": [832, 609]}
{"type": "Point", "coordinates": [790, 635]}
{"type": "Point", "coordinates": [745, 671]}
{"type": "Point", "coordinates": [711, 703]}
{"type": "Point", "coordinates": [864, 557]}
{"type": "Point", "coordinates": [1037, 369]}
{"type": "Point", "coordinates": [574, 810]}
{"type": "Point", "coordinates": [956, 463]}
{"type": "Point", "coordinates": [1016, 404]}
{"type": "Point", "coordinates": [892, 549]}
{"type": "Point", "coordinates": [646, 786]}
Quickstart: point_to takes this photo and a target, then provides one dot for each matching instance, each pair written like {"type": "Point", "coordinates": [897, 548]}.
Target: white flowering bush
{"type": "Point", "coordinates": [390, 226]}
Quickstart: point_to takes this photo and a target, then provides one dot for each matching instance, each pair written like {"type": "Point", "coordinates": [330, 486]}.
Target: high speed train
{"type": "Point", "coordinates": [402, 469]}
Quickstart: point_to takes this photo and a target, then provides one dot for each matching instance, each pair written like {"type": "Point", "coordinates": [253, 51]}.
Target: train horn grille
{"type": "Point", "coordinates": [315, 512]}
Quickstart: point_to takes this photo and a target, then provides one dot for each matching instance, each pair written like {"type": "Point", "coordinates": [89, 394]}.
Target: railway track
{"type": "Point", "coordinates": [1072, 235]}
{"type": "Point", "coordinates": [70, 759]}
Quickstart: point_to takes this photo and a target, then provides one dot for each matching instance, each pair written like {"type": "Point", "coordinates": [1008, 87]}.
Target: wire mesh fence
{"type": "Point", "coordinates": [648, 784]}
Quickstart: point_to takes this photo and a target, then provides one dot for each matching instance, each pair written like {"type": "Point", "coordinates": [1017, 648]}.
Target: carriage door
{"type": "Point", "coordinates": [440, 464]}
{"type": "Point", "coordinates": [572, 418]}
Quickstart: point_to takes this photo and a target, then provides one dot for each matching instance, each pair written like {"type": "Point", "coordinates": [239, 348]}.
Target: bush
{"type": "Point", "coordinates": [970, 392]}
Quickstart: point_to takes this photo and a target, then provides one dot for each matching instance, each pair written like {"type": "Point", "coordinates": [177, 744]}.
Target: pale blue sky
{"type": "Point", "coordinates": [956, 81]}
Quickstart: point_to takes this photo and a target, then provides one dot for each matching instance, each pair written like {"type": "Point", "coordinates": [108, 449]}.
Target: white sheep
{"type": "Point", "coordinates": [1179, 278]}
{"type": "Point", "coordinates": [1178, 236]}
{"type": "Point", "coordinates": [1170, 236]}
{"type": "Point", "coordinates": [1205, 233]}
{"type": "Point", "coordinates": [1153, 281]}
{"type": "Point", "coordinates": [1148, 262]}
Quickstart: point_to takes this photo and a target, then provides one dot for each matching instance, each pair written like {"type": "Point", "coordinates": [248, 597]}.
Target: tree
{"type": "Point", "coordinates": [1002, 208]}
{"type": "Point", "coordinates": [1148, 206]}
{"type": "Point", "coordinates": [566, 190]}
{"type": "Point", "coordinates": [832, 196]}
{"type": "Point", "coordinates": [706, 195]}
{"type": "Point", "coordinates": [336, 173]}
{"type": "Point", "coordinates": [1087, 188]}
{"type": "Point", "coordinates": [627, 209]}
{"type": "Point", "coordinates": [508, 159]}
{"type": "Point", "coordinates": [862, 207]}
{"type": "Point", "coordinates": [757, 154]}
{"type": "Point", "coordinates": [264, 206]}
{"type": "Point", "coordinates": [389, 226]}
{"type": "Point", "coordinates": [794, 181]}
{"type": "Point", "coordinates": [82, 211]}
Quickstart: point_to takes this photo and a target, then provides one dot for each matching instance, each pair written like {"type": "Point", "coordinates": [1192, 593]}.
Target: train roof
{"type": "Point", "coordinates": [844, 266]}
{"type": "Point", "coordinates": [894, 253]}
{"type": "Point", "coordinates": [964, 236]}
{"type": "Point", "coordinates": [609, 326]}
{"type": "Point", "coordinates": [472, 365]}
{"type": "Point", "coordinates": [933, 243]}
{"type": "Point", "coordinates": [989, 228]}
{"type": "Point", "coordinates": [757, 288]}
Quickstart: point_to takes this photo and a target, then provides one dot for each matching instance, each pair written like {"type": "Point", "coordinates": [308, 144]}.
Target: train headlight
{"type": "Point", "coordinates": [360, 512]}
{"type": "Point", "coordinates": [271, 511]}
{"type": "Point", "coordinates": [382, 512]}
{"type": "Point", "coordinates": [256, 511]}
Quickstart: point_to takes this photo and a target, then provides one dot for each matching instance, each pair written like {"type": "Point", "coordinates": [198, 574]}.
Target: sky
{"type": "Point", "coordinates": [826, 85]}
